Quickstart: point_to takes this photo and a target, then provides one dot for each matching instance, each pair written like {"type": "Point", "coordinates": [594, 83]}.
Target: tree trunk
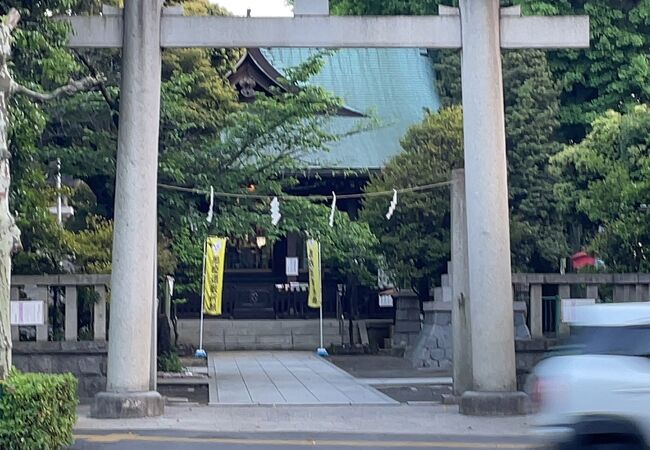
{"type": "Point", "coordinates": [9, 241]}
{"type": "Point", "coordinates": [9, 233]}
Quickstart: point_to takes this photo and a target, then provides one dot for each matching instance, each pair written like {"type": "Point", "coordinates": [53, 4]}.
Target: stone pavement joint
{"type": "Point", "coordinates": [285, 378]}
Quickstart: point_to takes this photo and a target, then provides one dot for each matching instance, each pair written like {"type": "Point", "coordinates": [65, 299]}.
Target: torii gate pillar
{"type": "Point", "coordinates": [130, 343]}
{"type": "Point", "coordinates": [488, 228]}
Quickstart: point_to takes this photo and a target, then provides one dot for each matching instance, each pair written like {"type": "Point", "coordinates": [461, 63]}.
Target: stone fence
{"type": "Point", "coordinates": [83, 356]}
{"type": "Point", "coordinates": [66, 287]}
{"type": "Point", "coordinates": [617, 288]}
{"type": "Point", "coordinates": [533, 289]}
{"type": "Point", "coordinates": [424, 331]}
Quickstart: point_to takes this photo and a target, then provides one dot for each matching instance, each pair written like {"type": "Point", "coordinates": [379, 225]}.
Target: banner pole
{"type": "Point", "coordinates": [200, 353]}
{"type": "Point", "coordinates": [321, 350]}
{"type": "Point", "coordinates": [321, 325]}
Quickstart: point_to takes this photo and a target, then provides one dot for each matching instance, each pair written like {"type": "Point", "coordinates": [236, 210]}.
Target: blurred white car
{"type": "Point", "coordinates": [598, 395]}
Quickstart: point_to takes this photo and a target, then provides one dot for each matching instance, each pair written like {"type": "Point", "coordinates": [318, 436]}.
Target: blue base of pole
{"type": "Point", "coordinates": [322, 352]}
{"type": "Point", "coordinates": [200, 353]}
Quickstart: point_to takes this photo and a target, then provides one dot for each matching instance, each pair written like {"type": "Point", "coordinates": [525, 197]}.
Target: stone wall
{"type": "Point", "coordinates": [220, 334]}
{"type": "Point", "coordinates": [85, 359]}
{"type": "Point", "coordinates": [407, 320]}
{"type": "Point", "coordinates": [433, 347]}
{"type": "Point", "coordinates": [528, 354]}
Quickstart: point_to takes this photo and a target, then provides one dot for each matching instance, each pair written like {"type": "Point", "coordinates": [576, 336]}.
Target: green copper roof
{"type": "Point", "coordinates": [395, 85]}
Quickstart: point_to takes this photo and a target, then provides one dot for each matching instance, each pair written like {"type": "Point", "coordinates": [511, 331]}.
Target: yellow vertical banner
{"type": "Point", "coordinates": [215, 258]}
{"type": "Point", "coordinates": [313, 258]}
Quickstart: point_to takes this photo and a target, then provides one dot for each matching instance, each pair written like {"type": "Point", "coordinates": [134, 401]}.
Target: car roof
{"type": "Point", "coordinates": [612, 314]}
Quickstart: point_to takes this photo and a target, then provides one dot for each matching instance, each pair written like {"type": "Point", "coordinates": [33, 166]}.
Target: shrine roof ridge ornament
{"type": "Point", "coordinates": [319, 30]}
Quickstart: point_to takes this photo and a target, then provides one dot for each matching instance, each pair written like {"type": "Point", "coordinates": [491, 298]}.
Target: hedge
{"type": "Point", "coordinates": [37, 411]}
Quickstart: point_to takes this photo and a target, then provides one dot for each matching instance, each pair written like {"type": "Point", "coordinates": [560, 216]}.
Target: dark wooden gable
{"type": "Point", "coordinates": [254, 74]}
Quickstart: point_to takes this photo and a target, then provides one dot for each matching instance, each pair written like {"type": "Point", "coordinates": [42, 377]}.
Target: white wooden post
{"type": "Point", "coordinates": [71, 315]}
{"type": "Point", "coordinates": [99, 314]}
{"type": "Point", "coordinates": [592, 291]}
{"type": "Point", "coordinates": [40, 293]}
{"type": "Point", "coordinates": [536, 311]}
{"type": "Point", "coordinates": [564, 292]}
{"type": "Point", "coordinates": [13, 296]}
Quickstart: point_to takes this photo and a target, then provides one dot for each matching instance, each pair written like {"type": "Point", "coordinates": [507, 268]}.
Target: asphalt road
{"type": "Point", "coordinates": [173, 440]}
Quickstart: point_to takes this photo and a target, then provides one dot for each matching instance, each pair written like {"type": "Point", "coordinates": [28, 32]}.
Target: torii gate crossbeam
{"type": "Point", "coordinates": [331, 32]}
{"type": "Point", "coordinates": [479, 27]}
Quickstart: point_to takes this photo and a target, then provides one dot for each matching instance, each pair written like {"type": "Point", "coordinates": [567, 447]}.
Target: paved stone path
{"type": "Point", "coordinates": [281, 378]}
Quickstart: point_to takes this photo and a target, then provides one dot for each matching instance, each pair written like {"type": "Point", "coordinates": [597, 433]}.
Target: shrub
{"type": "Point", "coordinates": [37, 411]}
{"type": "Point", "coordinates": [170, 362]}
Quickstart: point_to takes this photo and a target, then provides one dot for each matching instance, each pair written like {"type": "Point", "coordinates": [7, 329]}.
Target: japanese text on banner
{"type": "Point", "coordinates": [214, 266]}
{"type": "Point", "coordinates": [313, 257]}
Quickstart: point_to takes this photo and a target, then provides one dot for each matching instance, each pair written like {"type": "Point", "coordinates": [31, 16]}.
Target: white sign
{"type": "Point", "coordinates": [385, 301]}
{"type": "Point", "coordinates": [27, 313]}
{"type": "Point", "coordinates": [570, 305]}
{"type": "Point", "coordinates": [292, 267]}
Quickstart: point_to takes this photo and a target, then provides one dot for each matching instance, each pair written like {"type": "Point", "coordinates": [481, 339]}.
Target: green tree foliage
{"type": "Point", "coordinates": [41, 62]}
{"type": "Point", "coordinates": [614, 73]}
{"type": "Point", "coordinates": [90, 248]}
{"type": "Point", "coordinates": [415, 241]}
{"type": "Point", "coordinates": [385, 7]}
{"type": "Point", "coordinates": [606, 186]}
{"type": "Point", "coordinates": [531, 106]}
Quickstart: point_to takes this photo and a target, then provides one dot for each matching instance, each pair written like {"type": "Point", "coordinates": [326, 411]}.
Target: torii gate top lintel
{"type": "Point", "coordinates": [312, 26]}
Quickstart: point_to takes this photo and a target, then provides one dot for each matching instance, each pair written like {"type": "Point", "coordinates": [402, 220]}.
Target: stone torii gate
{"type": "Point", "coordinates": [478, 27]}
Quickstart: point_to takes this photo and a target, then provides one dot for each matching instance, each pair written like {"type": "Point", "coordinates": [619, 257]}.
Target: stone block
{"type": "Point", "coordinates": [90, 366]}
{"type": "Point", "coordinates": [408, 327]}
{"type": "Point", "coordinates": [445, 364]}
{"type": "Point", "coordinates": [274, 340]}
{"type": "Point", "coordinates": [519, 319]}
{"type": "Point", "coordinates": [41, 364]}
{"type": "Point", "coordinates": [437, 354]}
{"type": "Point", "coordinates": [474, 403]}
{"type": "Point", "coordinates": [407, 314]}
{"type": "Point", "coordinates": [428, 306]}
{"type": "Point", "coordinates": [442, 318]}
{"type": "Point", "coordinates": [429, 318]}
{"type": "Point", "coordinates": [89, 387]}
{"type": "Point", "coordinates": [432, 363]}
{"type": "Point", "coordinates": [129, 405]}
{"type": "Point", "coordinates": [443, 334]}
{"type": "Point", "coordinates": [626, 278]}
{"type": "Point", "coordinates": [400, 340]}
{"type": "Point", "coordinates": [522, 332]}
{"type": "Point", "coordinates": [446, 294]}
{"type": "Point", "coordinates": [450, 399]}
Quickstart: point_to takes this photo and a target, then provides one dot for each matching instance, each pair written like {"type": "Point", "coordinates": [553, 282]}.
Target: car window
{"type": "Point", "coordinates": [628, 341]}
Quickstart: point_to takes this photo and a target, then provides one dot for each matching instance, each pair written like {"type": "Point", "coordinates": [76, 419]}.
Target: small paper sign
{"type": "Point", "coordinates": [292, 267]}
{"type": "Point", "coordinates": [27, 313]}
{"type": "Point", "coordinates": [385, 301]}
